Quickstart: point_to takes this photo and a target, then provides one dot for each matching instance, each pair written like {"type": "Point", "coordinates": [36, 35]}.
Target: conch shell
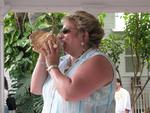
{"type": "Point", "coordinates": [38, 38]}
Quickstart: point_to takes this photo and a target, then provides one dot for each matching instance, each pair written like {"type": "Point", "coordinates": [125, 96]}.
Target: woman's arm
{"type": "Point", "coordinates": [90, 76]}
{"type": "Point", "coordinates": [39, 76]}
{"type": "Point", "coordinates": [93, 74]}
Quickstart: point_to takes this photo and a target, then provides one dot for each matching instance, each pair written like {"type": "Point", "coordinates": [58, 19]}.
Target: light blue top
{"type": "Point", "coordinates": [101, 101]}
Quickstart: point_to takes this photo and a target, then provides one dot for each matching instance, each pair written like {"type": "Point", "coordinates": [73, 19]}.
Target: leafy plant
{"type": "Point", "coordinates": [101, 18]}
{"type": "Point", "coordinates": [113, 46]}
{"type": "Point", "coordinates": [137, 40]}
{"type": "Point", "coordinates": [19, 57]}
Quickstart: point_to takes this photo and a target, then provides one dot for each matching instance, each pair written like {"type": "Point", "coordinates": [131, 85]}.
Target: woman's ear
{"type": "Point", "coordinates": [85, 37]}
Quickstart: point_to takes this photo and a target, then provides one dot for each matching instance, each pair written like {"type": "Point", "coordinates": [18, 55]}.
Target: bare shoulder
{"type": "Point", "coordinates": [96, 68]}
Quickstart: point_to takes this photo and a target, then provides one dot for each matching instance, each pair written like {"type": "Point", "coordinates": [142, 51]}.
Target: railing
{"type": "Point", "coordinates": [143, 103]}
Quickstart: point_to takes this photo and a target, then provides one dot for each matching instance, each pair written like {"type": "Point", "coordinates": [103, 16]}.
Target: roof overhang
{"type": "Point", "coordinates": [71, 5]}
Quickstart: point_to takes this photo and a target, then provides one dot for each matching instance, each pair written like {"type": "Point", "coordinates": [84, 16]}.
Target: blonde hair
{"type": "Point", "coordinates": [87, 22]}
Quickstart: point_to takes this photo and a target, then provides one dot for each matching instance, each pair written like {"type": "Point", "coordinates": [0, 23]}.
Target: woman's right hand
{"type": "Point", "coordinates": [50, 53]}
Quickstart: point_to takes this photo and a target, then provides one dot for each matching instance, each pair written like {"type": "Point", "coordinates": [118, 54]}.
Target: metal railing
{"type": "Point", "coordinates": [143, 103]}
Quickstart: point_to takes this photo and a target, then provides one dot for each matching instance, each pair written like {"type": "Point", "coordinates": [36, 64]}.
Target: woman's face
{"type": "Point", "coordinates": [70, 37]}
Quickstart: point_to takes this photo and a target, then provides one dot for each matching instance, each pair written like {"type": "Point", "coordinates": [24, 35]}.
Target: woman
{"type": "Point", "coordinates": [83, 80]}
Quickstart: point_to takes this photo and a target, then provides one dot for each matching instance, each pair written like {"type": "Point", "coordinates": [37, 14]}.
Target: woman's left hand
{"type": "Point", "coordinates": [51, 53]}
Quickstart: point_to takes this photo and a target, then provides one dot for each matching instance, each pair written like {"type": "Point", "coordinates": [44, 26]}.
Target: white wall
{"type": "Point", "coordinates": [109, 23]}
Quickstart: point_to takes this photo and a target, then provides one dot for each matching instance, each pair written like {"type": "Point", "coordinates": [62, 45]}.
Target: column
{"type": "Point", "coordinates": [1, 63]}
{"type": "Point", "coordinates": [3, 11]}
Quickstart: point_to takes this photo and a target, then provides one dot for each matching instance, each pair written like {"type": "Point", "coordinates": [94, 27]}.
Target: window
{"type": "Point", "coordinates": [129, 66]}
{"type": "Point", "coordinates": [129, 63]}
{"type": "Point", "coordinates": [119, 22]}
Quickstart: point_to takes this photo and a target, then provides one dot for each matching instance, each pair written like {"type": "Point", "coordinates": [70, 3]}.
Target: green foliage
{"type": "Point", "coordinates": [138, 35]}
{"type": "Point", "coordinates": [49, 22]}
{"type": "Point", "coordinates": [17, 48]}
{"type": "Point", "coordinates": [137, 39]}
{"type": "Point", "coordinates": [101, 18]}
{"type": "Point", "coordinates": [113, 46]}
{"type": "Point", "coordinates": [20, 60]}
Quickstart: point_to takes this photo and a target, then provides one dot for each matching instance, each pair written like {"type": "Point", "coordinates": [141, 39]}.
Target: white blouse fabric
{"type": "Point", "coordinates": [101, 101]}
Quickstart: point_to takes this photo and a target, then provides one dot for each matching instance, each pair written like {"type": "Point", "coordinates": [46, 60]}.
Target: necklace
{"type": "Point", "coordinates": [72, 61]}
{"type": "Point", "coordinates": [69, 64]}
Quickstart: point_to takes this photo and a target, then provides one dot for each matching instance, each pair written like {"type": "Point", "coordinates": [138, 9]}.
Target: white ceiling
{"type": "Point", "coordinates": [71, 5]}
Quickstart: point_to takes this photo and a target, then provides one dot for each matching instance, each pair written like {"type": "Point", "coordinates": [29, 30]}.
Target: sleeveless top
{"type": "Point", "coordinates": [101, 101]}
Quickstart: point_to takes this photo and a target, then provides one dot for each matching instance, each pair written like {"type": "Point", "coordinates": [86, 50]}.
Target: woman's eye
{"type": "Point", "coordinates": [65, 30]}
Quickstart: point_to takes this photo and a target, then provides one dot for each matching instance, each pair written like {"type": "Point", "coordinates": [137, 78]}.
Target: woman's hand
{"type": "Point", "coordinates": [51, 53]}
